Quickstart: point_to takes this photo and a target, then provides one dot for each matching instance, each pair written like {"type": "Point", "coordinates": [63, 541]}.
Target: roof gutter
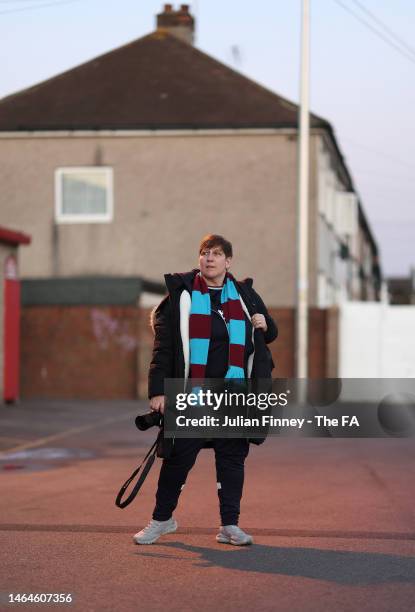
{"type": "Point", "coordinates": [132, 133]}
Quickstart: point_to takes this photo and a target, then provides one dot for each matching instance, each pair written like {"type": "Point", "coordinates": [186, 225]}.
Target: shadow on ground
{"type": "Point", "coordinates": [341, 567]}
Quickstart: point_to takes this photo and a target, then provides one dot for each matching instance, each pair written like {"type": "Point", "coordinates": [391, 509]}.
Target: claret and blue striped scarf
{"type": "Point", "coordinates": [200, 325]}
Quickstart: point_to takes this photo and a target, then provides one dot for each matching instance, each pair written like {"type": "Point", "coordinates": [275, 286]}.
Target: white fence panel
{"type": "Point", "coordinates": [360, 339]}
{"type": "Point", "coordinates": [398, 343]}
{"type": "Point", "coordinates": [376, 340]}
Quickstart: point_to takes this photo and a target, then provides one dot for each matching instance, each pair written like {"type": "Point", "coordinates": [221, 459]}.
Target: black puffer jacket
{"type": "Point", "coordinates": [168, 359]}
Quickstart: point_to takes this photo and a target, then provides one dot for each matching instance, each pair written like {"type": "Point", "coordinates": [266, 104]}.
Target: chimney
{"type": "Point", "coordinates": [180, 23]}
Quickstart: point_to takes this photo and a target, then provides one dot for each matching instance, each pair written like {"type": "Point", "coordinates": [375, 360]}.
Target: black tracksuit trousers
{"type": "Point", "coordinates": [230, 454]}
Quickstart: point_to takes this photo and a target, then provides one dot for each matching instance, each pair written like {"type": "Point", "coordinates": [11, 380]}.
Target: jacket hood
{"type": "Point", "coordinates": [178, 279]}
{"type": "Point", "coordinates": [247, 281]}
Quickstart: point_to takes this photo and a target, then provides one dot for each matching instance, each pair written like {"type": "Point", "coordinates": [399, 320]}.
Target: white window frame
{"type": "Point", "coordinates": [107, 217]}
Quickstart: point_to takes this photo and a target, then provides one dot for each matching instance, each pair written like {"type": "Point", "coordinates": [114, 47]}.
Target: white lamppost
{"type": "Point", "coordinates": [301, 336]}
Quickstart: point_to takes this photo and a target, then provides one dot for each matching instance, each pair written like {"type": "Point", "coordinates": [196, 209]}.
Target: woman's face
{"type": "Point", "coordinates": [213, 263]}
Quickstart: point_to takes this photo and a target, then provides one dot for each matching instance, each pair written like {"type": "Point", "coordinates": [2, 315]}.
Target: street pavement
{"type": "Point", "coordinates": [333, 520]}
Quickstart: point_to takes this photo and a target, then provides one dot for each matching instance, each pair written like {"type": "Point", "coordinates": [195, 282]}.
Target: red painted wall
{"type": "Point", "coordinates": [11, 339]}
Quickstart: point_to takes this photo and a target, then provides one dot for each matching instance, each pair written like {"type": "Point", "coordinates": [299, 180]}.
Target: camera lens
{"type": "Point", "coordinates": [150, 419]}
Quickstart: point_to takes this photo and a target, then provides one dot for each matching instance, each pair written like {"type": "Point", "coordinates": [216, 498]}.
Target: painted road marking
{"type": "Point", "coordinates": [64, 434]}
{"type": "Point", "coordinates": [5, 439]}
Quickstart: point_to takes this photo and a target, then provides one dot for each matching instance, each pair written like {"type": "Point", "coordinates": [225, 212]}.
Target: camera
{"type": "Point", "coordinates": [147, 420]}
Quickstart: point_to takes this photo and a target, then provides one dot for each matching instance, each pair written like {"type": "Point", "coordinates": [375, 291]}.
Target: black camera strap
{"type": "Point", "coordinates": [148, 460]}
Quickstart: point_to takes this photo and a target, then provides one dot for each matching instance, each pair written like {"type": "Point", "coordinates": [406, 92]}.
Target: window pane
{"type": "Point", "coordinates": [84, 192]}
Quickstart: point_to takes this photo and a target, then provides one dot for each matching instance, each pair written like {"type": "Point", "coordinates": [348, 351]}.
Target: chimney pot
{"type": "Point", "coordinates": [179, 23]}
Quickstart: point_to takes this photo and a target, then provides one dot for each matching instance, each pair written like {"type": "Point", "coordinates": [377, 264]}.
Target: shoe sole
{"type": "Point", "coordinates": [171, 530]}
{"type": "Point", "coordinates": [224, 540]}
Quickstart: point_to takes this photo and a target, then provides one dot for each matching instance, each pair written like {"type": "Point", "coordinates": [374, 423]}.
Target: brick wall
{"type": "Point", "coordinates": [79, 352]}
{"type": "Point", "coordinates": [283, 347]}
{"type": "Point", "coordinates": [104, 352]}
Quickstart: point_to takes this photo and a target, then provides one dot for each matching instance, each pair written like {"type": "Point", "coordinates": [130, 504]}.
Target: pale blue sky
{"type": "Point", "coordinates": [360, 84]}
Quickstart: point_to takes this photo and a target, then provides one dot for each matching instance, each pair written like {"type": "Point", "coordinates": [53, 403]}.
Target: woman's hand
{"type": "Point", "coordinates": [258, 321]}
{"type": "Point", "coordinates": [157, 403]}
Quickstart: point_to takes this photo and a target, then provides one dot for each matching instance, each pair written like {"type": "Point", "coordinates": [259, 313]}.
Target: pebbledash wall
{"type": "Point", "coordinates": [169, 191]}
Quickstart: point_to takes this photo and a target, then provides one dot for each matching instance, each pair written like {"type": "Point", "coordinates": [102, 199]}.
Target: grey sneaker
{"type": "Point", "coordinates": [154, 530]}
{"type": "Point", "coordinates": [232, 534]}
